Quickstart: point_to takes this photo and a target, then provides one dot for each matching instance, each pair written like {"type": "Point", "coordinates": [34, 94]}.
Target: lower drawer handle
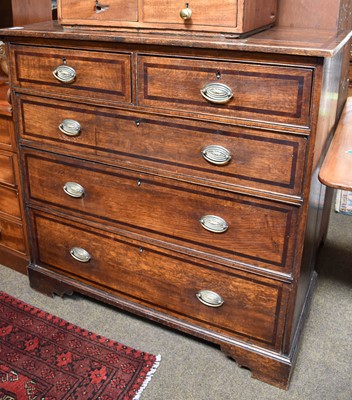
{"type": "Point", "coordinates": [210, 298]}
{"type": "Point", "coordinates": [217, 93]}
{"type": "Point", "coordinates": [64, 74]}
{"type": "Point", "coordinates": [70, 127]}
{"type": "Point", "coordinates": [213, 223]}
{"type": "Point", "coordinates": [80, 254]}
{"type": "Point", "coordinates": [74, 189]}
{"type": "Point", "coordinates": [217, 155]}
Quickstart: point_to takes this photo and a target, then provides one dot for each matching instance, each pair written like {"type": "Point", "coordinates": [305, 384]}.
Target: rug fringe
{"type": "Point", "coordinates": [148, 377]}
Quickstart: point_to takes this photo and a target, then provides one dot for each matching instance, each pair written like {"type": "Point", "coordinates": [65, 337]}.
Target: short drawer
{"type": "Point", "coordinates": [5, 132]}
{"type": "Point", "coordinates": [9, 203]}
{"type": "Point", "coordinates": [213, 153]}
{"type": "Point", "coordinates": [214, 222]}
{"type": "Point", "coordinates": [280, 94]}
{"type": "Point", "coordinates": [92, 12]}
{"type": "Point", "coordinates": [252, 309]}
{"type": "Point", "coordinates": [11, 235]}
{"type": "Point", "coordinates": [89, 74]}
{"type": "Point", "coordinates": [7, 173]}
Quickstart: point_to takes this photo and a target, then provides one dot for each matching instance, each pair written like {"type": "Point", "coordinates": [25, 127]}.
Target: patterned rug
{"type": "Point", "coordinates": [43, 357]}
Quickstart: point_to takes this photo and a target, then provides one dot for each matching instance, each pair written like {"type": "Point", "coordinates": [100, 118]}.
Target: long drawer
{"type": "Point", "coordinates": [199, 219]}
{"type": "Point", "coordinates": [214, 153]}
{"type": "Point", "coordinates": [89, 74]}
{"type": "Point", "coordinates": [228, 302]}
{"type": "Point", "coordinates": [279, 94]}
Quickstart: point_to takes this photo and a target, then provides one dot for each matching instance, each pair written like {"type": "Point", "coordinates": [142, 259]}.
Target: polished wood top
{"type": "Point", "coordinates": [320, 43]}
{"type": "Point", "coordinates": [337, 166]}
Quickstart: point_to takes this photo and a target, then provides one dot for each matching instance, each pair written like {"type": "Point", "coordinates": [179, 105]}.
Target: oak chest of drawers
{"type": "Point", "coordinates": [177, 179]}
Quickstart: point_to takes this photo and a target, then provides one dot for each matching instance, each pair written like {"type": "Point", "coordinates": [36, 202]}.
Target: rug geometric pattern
{"type": "Point", "coordinates": [43, 357]}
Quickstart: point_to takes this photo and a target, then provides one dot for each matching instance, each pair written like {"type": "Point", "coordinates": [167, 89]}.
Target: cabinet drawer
{"type": "Point", "coordinates": [9, 202]}
{"type": "Point", "coordinates": [7, 173]}
{"type": "Point", "coordinates": [245, 229]}
{"type": "Point", "coordinates": [203, 12]}
{"type": "Point", "coordinates": [278, 94]}
{"type": "Point", "coordinates": [214, 153]}
{"type": "Point", "coordinates": [5, 132]}
{"type": "Point", "coordinates": [91, 11]}
{"type": "Point", "coordinates": [11, 235]}
{"type": "Point", "coordinates": [163, 280]}
{"type": "Point", "coordinates": [89, 74]}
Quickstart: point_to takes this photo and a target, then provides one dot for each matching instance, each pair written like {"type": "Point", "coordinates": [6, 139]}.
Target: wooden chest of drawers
{"type": "Point", "coordinates": [13, 248]}
{"type": "Point", "coordinates": [233, 17]}
{"type": "Point", "coordinates": [178, 179]}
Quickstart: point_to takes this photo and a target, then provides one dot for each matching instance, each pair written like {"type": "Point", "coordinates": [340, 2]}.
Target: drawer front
{"type": "Point", "coordinates": [88, 74]}
{"type": "Point", "coordinates": [252, 310]}
{"type": "Point", "coordinates": [258, 232]}
{"type": "Point", "coordinates": [91, 10]}
{"type": "Point", "coordinates": [218, 154]}
{"type": "Point", "coordinates": [7, 173]}
{"type": "Point", "coordinates": [5, 135]}
{"type": "Point", "coordinates": [259, 92]}
{"type": "Point", "coordinates": [203, 12]}
{"type": "Point", "coordinates": [11, 235]}
{"type": "Point", "coordinates": [9, 204]}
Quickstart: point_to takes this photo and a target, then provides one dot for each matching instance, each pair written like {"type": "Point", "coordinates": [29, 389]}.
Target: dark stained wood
{"type": "Point", "coordinates": [337, 166]}
{"type": "Point", "coordinates": [147, 186]}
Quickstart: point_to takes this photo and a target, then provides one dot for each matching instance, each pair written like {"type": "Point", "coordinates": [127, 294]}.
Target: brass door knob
{"type": "Point", "coordinates": [186, 13]}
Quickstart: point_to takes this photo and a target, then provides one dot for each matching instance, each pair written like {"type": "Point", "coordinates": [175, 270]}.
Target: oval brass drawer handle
{"type": "Point", "coordinates": [65, 74]}
{"type": "Point", "coordinates": [217, 93]}
{"type": "Point", "coordinates": [70, 127]}
{"type": "Point", "coordinates": [74, 189]}
{"type": "Point", "coordinates": [217, 155]}
{"type": "Point", "coordinates": [213, 223]}
{"type": "Point", "coordinates": [80, 254]}
{"type": "Point", "coordinates": [210, 298]}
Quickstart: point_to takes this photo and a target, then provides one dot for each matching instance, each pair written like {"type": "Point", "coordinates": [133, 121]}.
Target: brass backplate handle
{"type": "Point", "coordinates": [216, 155]}
{"type": "Point", "coordinates": [217, 93]}
{"type": "Point", "coordinates": [213, 223]}
{"type": "Point", "coordinates": [74, 189]}
{"type": "Point", "coordinates": [65, 73]}
{"type": "Point", "coordinates": [70, 127]}
{"type": "Point", "coordinates": [80, 254]}
{"type": "Point", "coordinates": [210, 298]}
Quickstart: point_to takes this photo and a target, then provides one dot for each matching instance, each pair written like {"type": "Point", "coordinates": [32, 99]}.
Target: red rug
{"type": "Point", "coordinates": [43, 357]}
